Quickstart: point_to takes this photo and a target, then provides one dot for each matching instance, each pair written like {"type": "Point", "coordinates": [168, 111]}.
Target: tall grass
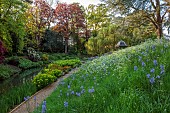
{"type": "Point", "coordinates": [132, 80]}
{"type": "Point", "coordinates": [15, 96]}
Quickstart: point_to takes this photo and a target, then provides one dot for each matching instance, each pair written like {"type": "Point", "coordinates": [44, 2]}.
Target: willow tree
{"type": "Point", "coordinates": [153, 10]}
{"type": "Point", "coordinates": [97, 17]}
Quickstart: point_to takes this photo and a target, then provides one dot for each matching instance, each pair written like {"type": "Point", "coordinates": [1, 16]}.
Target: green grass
{"type": "Point", "coordinates": [118, 83]}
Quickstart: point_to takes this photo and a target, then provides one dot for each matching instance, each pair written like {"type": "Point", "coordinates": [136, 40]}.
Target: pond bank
{"type": "Point", "coordinates": [30, 104]}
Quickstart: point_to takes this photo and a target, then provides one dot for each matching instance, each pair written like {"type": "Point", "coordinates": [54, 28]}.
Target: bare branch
{"type": "Point", "coordinates": [153, 4]}
{"type": "Point", "coordinates": [165, 14]}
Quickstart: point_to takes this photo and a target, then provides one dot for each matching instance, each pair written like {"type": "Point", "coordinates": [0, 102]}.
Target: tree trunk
{"type": "Point", "coordinates": [66, 45]}
{"type": "Point", "coordinates": [159, 31]}
{"type": "Point", "coordinates": [159, 20]}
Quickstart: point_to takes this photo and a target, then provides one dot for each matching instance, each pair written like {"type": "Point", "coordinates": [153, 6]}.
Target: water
{"type": "Point", "coordinates": [19, 79]}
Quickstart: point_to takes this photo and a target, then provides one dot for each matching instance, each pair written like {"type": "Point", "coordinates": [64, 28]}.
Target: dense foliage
{"type": "Point", "coordinates": [153, 11]}
{"type": "Point", "coordinates": [70, 18]}
{"type": "Point", "coordinates": [52, 42]}
{"type": "Point", "coordinates": [2, 52]}
{"type": "Point", "coordinates": [131, 80]}
{"type": "Point", "coordinates": [54, 71]}
{"type": "Point", "coordinates": [7, 71]}
{"type": "Point", "coordinates": [12, 24]}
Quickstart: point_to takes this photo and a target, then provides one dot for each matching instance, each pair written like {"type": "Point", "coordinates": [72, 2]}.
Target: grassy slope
{"type": "Point", "coordinates": [118, 83]}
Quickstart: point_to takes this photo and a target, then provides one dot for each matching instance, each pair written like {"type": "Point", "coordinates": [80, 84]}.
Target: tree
{"type": "Point", "coordinates": [97, 17]}
{"type": "Point", "coordinates": [105, 40]}
{"type": "Point", "coordinates": [69, 19]}
{"type": "Point", "coordinates": [12, 21]}
{"type": "Point", "coordinates": [153, 10]}
{"type": "Point", "coordinates": [40, 16]}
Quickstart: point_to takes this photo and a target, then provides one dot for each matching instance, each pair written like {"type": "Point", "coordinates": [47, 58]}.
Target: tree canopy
{"type": "Point", "coordinates": [153, 10]}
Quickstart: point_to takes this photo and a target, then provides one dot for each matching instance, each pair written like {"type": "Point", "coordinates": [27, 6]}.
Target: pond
{"type": "Point", "coordinates": [18, 79]}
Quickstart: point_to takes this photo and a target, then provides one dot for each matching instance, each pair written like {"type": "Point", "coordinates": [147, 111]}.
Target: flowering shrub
{"type": "Point", "coordinates": [33, 55]}
{"type": "Point", "coordinates": [42, 80]}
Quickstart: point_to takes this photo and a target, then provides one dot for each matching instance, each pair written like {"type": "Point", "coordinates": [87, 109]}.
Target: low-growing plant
{"type": "Point", "coordinates": [44, 57]}
{"type": "Point", "coordinates": [54, 72]}
{"type": "Point", "coordinates": [13, 60]}
{"type": "Point", "coordinates": [57, 73]}
{"type": "Point", "coordinates": [71, 62]}
{"type": "Point", "coordinates": [61, 56]}
{"type": "Point", "coordinates": [6, 71]}
{"type": "Point", "coordinates": [26, 63]}
{"type": "Point", "coordinates": [42, 80]}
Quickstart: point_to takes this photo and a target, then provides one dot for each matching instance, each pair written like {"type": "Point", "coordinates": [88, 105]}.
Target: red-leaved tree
{"type": "Point", "coordinates": [40, 16]}
{"type": "Point", "coordinates": [69, 19]}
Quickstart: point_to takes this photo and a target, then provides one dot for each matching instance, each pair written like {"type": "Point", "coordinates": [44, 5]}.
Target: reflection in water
{"type": "Point", "coordinates": [19, 79]}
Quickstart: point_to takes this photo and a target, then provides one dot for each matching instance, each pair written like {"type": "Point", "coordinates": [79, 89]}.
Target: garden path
{"type": "Point", "coordinates": [30, 104]}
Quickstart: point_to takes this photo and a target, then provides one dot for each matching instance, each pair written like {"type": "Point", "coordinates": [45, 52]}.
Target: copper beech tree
{"type": "Point", "coordinates": [40, 16]}
{"type": "Point", "coordinates": [69, 19]}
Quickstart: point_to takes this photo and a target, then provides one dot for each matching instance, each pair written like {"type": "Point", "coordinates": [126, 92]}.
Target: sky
{"type": "Point", "coordinates": [85, 3]}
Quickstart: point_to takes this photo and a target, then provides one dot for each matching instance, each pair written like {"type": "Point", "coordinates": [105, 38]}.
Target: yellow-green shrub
{"type": "Point", "coordinates": [56, 73]}
{"type": "Point", "coordinates": [42, 80]}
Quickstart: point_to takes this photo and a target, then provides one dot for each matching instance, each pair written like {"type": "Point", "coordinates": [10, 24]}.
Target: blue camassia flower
{"type": "Point", "coordinates": [155, 62]}
{"type": "Point", "coordinates": [44, 109]}
{"type": "Point", "coordinates": [65, 104]}
{"type": "Point", "coordinates": [152, 80]}
{"type": "Point", "coordinates": [135, 68]}
{"type": "Point", "coordinates": [148, 75]}
{"type": "Point", "coordinates": [143, 64]}
{"type": "Point", "coordinates": [152, 70]}
{"type": "Point", "coordinates": [91, 90]}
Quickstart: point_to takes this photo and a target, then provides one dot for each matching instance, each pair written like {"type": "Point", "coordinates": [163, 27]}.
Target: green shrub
{"type": "Point", "coordinates": [61, 56]}
{"type": "Point", "coordinates": [56, 73]}
{"type": "Point", "coordinates": [26, 63]}
{"type": "Point", "coordinates": [13, 60]}
{"type": "Point", "coordinates": [6, 71]}
{"type": "Point", "coordinates": [45, 57]}
{"type": "Point", "coordinates": [71, 62]}
{"type": "Point", "coordinates": [42, 80]}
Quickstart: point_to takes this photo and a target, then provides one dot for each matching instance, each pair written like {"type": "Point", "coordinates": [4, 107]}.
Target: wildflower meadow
{"type": "Point", "coordinates": [131, 80]}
